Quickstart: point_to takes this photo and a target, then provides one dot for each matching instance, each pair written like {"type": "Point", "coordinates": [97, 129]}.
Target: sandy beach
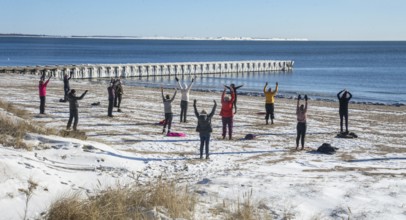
{"type": "Point", "coordinates": [365, 179]}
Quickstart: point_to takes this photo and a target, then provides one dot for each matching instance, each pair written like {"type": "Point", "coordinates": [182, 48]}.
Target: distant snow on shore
{"type": "Point", "coordinates": [159, 37]}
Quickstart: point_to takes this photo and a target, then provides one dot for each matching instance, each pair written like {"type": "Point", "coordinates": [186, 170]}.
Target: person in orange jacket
{"type": "Point", "coordinates": [227, 112]}
{"type": "Point", "coordinates": [269, 102]}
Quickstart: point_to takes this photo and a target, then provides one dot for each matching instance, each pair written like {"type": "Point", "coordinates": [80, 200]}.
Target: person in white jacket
{"type": "Point", "coordinates": [185, 90]}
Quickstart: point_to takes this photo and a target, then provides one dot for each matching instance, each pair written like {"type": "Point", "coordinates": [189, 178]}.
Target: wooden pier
{"type": "Point", "coordinates": [90, 71]}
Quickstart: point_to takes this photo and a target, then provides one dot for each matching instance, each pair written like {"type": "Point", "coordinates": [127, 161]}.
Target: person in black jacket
{"type": "Point", "coordinates": [119, 94]}
{"type": "Point", "coordinates": [204, 127]}
{"type": "Point", "coordinates": [66, 86]}
{"type": "Point", "coordinates": [116, 82]}
{"type": "Point", "coordinates": [232, 85]}
{"type": "Point", "coordinates": [344, 99]}
{"type": "Point", "coordinates": [73, 108]}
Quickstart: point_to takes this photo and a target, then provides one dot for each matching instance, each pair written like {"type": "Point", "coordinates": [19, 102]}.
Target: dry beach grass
{"type": "Point", "coordinates": [148, 201]}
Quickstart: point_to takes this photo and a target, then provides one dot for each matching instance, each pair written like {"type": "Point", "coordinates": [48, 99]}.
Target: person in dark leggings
{"type": "Point", "coordinates": [42, 87]}
{"type": "Point", "coordinates": [204, 127]}
{"type": "Point", "coordinates": [73, 108]}
{"type": "Point", "coordinates": [344, 98]}
{"type": "Point", "coordinates": [227, 113]}
{"type": "Point", "coordinates": [119, 93]}
{"type": "Point", "coordinates": [185, 90]}
{"type": "Point", "coordinates": [115, 82]}
{"type": "Point", "coordinates": [112, 95]}
{"type": "Point", "coordinates": [167, 100]}
{"type": "Point", "coordinates": [232, 85]}
{"type": "Point", "coordinates": [269, 102]}
{"type": "Point", "coordinates": [301, 122]}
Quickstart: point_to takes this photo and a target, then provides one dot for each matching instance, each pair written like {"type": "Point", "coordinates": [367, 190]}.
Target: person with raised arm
{"type": "Point", "coordinates": [344, 97]}
{"type": "Point", "coordinates": [42, 87]}
{"type": "Point", "coordinates": [66, 86]}
{"type": "Point", "coordinates": [232, 85]}
{"type": "Point", "coordinates": [167, 100]}
{"type": "Point", "coordinates": [204, 127]}
{"type": "Point", "coordinates": [185, 90]}
{"type": "Point", "coordinates": [269, 102]}
{"type": "Point", "coordinates": [73, 108]}
{"type": "Point", "coordinates": [301, 113]}
{"type": "Point", "coordinates": [227, 112]}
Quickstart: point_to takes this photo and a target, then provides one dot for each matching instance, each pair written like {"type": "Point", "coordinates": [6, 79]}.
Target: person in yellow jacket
{"type": "Point", "coordinates": [269, 102]}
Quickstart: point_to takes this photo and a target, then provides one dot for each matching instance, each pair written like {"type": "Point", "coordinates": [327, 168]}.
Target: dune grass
{"type": "Point", "coordinates": [134, 202]}
{"type": "Point", "coordinates": [8, 107]}
{"type": "Point", "coordinates": [14, 125]}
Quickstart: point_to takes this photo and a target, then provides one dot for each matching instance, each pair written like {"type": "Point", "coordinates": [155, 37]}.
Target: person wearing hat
{"type": "Point", "coordinates": [185, 90]}
{"type": "Point", "coordinates": [301, 122]}
{"type": "Point", "coordinates": [73, 108]}
{"type": "Point", "coordinates": [204, 127]}
{"type": "Point", "coordinates": [232, 85]}
{"type": "Point", "coordinates": [42, 87]}
{"type": "Point", "coordinates": [167, 100]}
{"type": "Point", "coordinates": [269, 102]}
{"type": "Point", "coordinates": [227, 112]}
{"type": "Point", "coordinates": [344, 99]}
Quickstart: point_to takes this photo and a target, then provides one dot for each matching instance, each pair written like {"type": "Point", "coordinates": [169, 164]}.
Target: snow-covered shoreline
{"type": "Point", "coordinates": [365, 179]}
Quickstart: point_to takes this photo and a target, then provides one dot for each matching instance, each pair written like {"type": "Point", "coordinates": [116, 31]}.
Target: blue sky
{"type": "Point", "coordinates": [310, 19]}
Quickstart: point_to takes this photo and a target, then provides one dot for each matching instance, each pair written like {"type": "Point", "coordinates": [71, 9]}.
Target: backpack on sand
{"type": "Point", "coordinates": [249, 136]}
{"type": "Point", "coordinates": [326, 149]}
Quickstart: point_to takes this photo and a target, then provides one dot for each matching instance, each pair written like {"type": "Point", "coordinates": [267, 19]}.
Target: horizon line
{"type": "Point", "coordinates": [153, 38]}
{"type": "Point", "coordinates": [220, 38]}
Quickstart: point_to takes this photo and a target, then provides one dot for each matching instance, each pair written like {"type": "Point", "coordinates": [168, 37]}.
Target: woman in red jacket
{"type": "Point", "coordinates": [227, 112]}
{"type": "Point", "coordinates": [42, 87]}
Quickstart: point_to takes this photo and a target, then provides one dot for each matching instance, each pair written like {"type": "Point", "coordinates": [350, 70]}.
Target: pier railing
{"type": "Point", "coordinates": [88, 71]}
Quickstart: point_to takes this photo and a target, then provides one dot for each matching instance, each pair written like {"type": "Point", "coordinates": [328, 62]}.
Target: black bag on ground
{"type": "Point", "coordinates": [326, 149]}
{"type": "Point", "coordinates": [347, 135]}
{"type": "Point", "coordinates": [249, 136]}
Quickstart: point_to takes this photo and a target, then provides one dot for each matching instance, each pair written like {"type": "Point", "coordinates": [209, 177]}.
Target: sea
{"type": "Point", "coordinates": [373, 71]}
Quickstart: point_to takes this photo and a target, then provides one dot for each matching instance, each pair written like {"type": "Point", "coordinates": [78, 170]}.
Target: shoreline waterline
{"type": "Point", "coordinates": [284, 95]}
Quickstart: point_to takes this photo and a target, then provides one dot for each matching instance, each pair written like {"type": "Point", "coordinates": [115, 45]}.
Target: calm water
{"type": "Point", "coordinates": [372, 71]}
